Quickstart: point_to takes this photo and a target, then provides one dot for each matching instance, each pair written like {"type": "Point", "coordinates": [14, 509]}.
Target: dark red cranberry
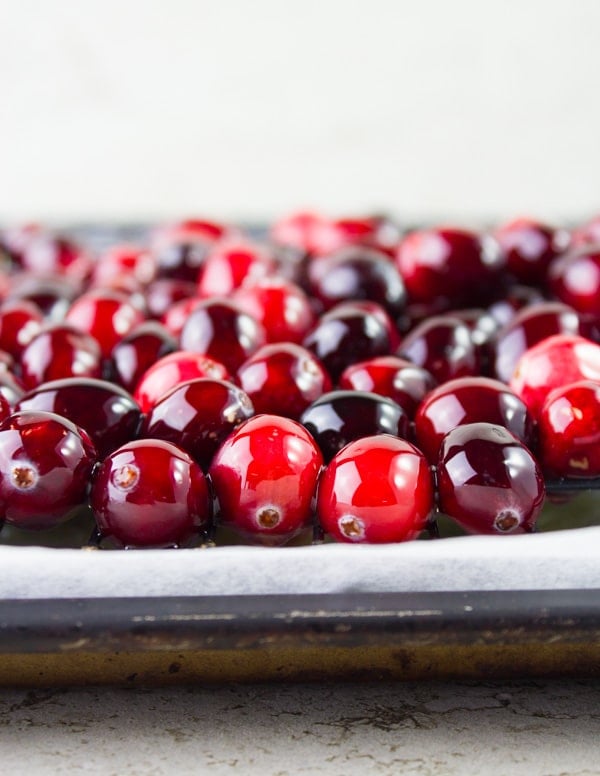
{"type": "Point", "coordinates": [60, 350]}
{"type": "Point", "coordinates": [340, 417]}
{"type": "Point", "coordinates": [20, 321]}
{"type": "Point", "coordinates": [378, 489]}
{"type": "Point", "coordinates": [140, 350]}
{"type": "Point", "coordinates": [452, 265]}
{"type": "Point", "coordinates": [221, 330]}
{"type": "Point", "coordinates": [357, 273]}
{"type": "Point", "coordinates": [469, 400]}
{"type": "Point", "coordinates": [45, 467]}
{"type": "Point", "coordinates": [391, 376]}
{"type": "Point", "coordinates": [125, 260]}
{"type": "Point", "coordinates": [172, 370]}
{"type": "Point", "coordinates": [150, 493]}
{"type": "Point", "coordinates": [514, 298]}
{"type": "Point", "coordinates": [230, 264]}
{"type": "Point", "coordinates": [488, 481]}
{"type": "Point", "coordinates": [163, 293]}
{"type": "Point", "coordinates": [569, 430]}
{"type": "Point", "coordinates": [105, 411]}
{"type": "Point", "coordinates": [530, 326]}
{"type": "Point", "coordinates": [198, 416]}
{"type": "Point", "coordinates": [346, 335]}
{"type": "Point", "coordinates": [47, 254]}
{"type": "Point", "coordinates": [106, 315]}
{"type": "Point", "coordinates": [180, 253]}
{"type": "Point", "coordinates": [528, 247]}
{"type": "Point", "coordinates": [52, 295]}
{"type": "Point", "coordinates": [280, 305]}
{"type": "Point", "coordinates": [575, 279]}
{"type": "Point", "coordinates": [283, 379]}
{"type": "Point", "coordinates": [265, 479]}
{"type": "Point", "coordinates": [443, 346]}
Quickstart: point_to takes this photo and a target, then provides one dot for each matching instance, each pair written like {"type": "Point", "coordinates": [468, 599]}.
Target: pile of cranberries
{"type": "Point", "coordinates": [328, 378]}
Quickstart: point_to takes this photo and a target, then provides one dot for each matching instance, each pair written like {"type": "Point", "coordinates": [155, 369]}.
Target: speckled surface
{"type": "Point", "coordinates": [549, 728]}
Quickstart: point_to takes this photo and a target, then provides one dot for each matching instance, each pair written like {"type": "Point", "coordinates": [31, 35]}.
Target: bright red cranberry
{"type": "Point", "coordinates": [575, 279]}
{"type": "Point", "coordinates": [198, 416]}
{"type": "Point", "coordinates": [469, 400]}
{"type": "Point", "coordinates": [346, 335]}
{"type": "Point", "coordinates": [340, 417]}
{"type": "Point", "coordinates": [140, 350]}
{"type": "Point", "coordinates": [230, 264]}
{"type": "Point", "coordinates": [60, 350]}
{"type": "Point", "coordinates": [302, 231]}
{"type": "Point", "coordinates": [530, 326]}
{"type": "Point", "coordinates": [443, 346]}
{"type": "Point", "coordinates": [391, 376]}
{"type": "Point", "coordinates": [150, 493]}
{"type": "Point", "coordinates": [163, 293]}
{"type": "Point", "coordinates": [20, 321]}
{"type": "Point", "coordinates": [45, 467]}
{"type": "Point", "coordinates": [569, 430]}
{"type": "Point", "coordinates": [280, 305]}
{"type": "Point", "coordinates": [265, 478]}
{"type": "Point", "coordinates": [125, 260]}
{"type": "Point", "coordinates": [221, 330]}
{"type": "Point", "coordinates": [488, 481]}
{"type": "Point", "coordinates": [105, 411]}
{"type": "Point", "coordinates": [172, 370]}
{"type": "Point", "coordinates": [528, 247]}
{"type": "Point", "coordinates": [52, 295]}
{"type": "Point", "coordinates": [552, 363]}
{"type": "Point", "coordinates": [283, 379]}
{"type": "Point", "coordinates": [378, 489]}
{"type": "Point", "coordinates": [514, 298]}
{"type": "Point", "coordinates": [47, 254]}
{"type": "Point", "coordinates": [447, 264]}
{"type": "Point", "coordinates": [106, 315]}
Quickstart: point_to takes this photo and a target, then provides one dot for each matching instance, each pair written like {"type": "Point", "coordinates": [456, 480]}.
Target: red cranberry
{"type": "Point", "coordinates": [5, 408]}
{"type": "Point", "coordinates": [391, 376]}
{"type": "Point", "coordinates": [150, 493]}
{"type": "Point", "coordinates": [228, 265]}
{"type": "Point", "coordinates": [587, 234]}
{"type": "Point", "coordinates": [265, 478]}
{"type": "Point", "coordinates": [106, 412]}
{"type": "Point", "coordinates": [281, 306]}
{"type": "Point", "coordinates": [528, 247]}
{"type": "Point", "coordinates": [190, 229]}
{"type": "Point", "coordinates": [469, 400]}
{"type": "Point", "coordinates": [340, 417]}
{"type": "Point", "coordinates": [20, 321]}
{"type": "Point", "coordinates": [377, 489]}
{"type": "Point", "coordinates": [447, 264]}
{"type": "Point", "coordinates": [575, 279]}
{"type": "Point", "coordinates": [163, 293]}
{"type": "Point", "coordinates": [443, 346]}
{"type": "Point", "coordinates": [180, 250]}
{"type": "Point", "coordinates": [488, 481]}
{"type": "Point", "coordinates": [569, 429]}
{"type": "Point", "coordinates": [515, 298]}
{"type": "Point", "coordinates": [60, 350]}
{"type": "Point", "coordinates": [47, 254]}
{"type": "Point", "coordinates": [125, 260]}
{"type": "Point", "coordinates": [176, 316]}
{"type": "Point", "coordinates": [106, 315]}
{"type": "Point", "coordinates": [198, 416]}
{"type": "Point", "coordinates": [52, 295]}
{"type": "Point", "coordinates": [45, 468]}
{"type": "Point", "coordinates": [221, 330]}
{"type": "Point", "coordinates": [283, 379]}
{"type": "Point", "coordinates": [140, 350]}
{"type": "Point", "coordinates": [552, 363]}
{"type": "Point", "coordinates": [302, 231]}
{"type": "Point", "coordinates": [11, 388]}
{"type": "Point", "coordinates": [172, 370]}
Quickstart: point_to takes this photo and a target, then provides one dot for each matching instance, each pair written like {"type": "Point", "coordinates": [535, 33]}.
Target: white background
{"type": "Point", "coordinates": [148, 108]}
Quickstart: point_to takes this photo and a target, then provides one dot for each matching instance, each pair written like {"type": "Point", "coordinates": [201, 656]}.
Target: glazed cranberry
{"type": "Point", "coordinates": [281, 306]}
{"type": "Point", "coordinates": [340, 417]}
{"type": "Point", "coordinates": [265, 478]}
{"type": "Point", "coordinates": [106, 315]}
{"type": "Point", "coordinates": [20, 320]}
{"type": "Point", "coordinates": [552, 363]}
{"type": "Point", "coordinates": [230, 264]}
{"type": "Point", "coordinates": [45, 467]}
{"type": "Point", "coordinates": [391, 376]}
{"type": "Point", "coordinates": [221, 330]}
{"type": "Point", "coordinates": [357, 273]}
{"type": "Point", "coordinates": [452, 265]}
{"type": "Point", "coordinates": [47, 254]}
{"type": "Point", "coordinates": [60, 350]}
{"type": "Point", "coordinates": [172, 370]}
{"type": "Point", "coordinates": [124, 261]}
{"type": "Point", "coordinates": [377, 489]}
{"type": "Point", "coordinates": [575, 279]}
{"type": "Point", "coordinates": [488, 481]}
{"type": "Point", "coordinates": [443, 346]}
{"type": "Point", "coordinates": [346, 335]}
{"type": "Point", "coordinates": [283, 379]}
{"type": "Point", "coordinates": [528, 247]}
{"type": "Point", "coordinates": [106, 412]}
{"type": "Point", "coordinates": [529, 326]}
{"type": "Point", "coordinates": [150, 493]}
{"type": "Point", "coordinates": [52, 295]}
{"type": "Point", "coordinates": [140, 350]}
{"type": "Point", "coordinates": [515, 298]}
{"type": "Point", "coordinates": [469, 400]}
{"type": "Point", "coordinates": [569, 430]}
{"type": "Point", "coordinates": [198, 416]}
{"type": "Point", "coordinates": [163, 293]}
